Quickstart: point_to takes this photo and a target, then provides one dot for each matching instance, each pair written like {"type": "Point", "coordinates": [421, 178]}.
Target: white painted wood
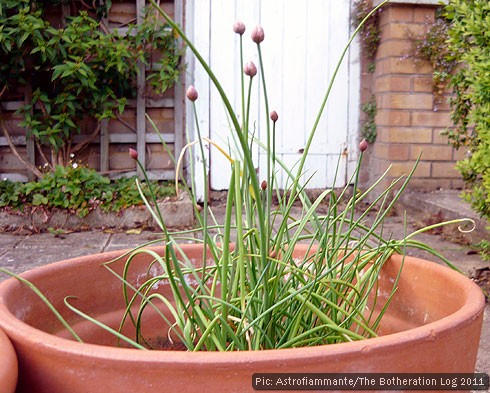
{"type": "Point", "coordinates": [353, 136]}
{"type": "Point", "coordinates": [198, 29]}
{"type": "Point", "coordinates": [179, 103]}
{"type": "Point", "coordinates": [303, 42]}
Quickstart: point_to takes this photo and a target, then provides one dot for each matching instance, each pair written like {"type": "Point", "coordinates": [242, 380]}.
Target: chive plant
{"type": "Point", "coordinates": [253, 290]}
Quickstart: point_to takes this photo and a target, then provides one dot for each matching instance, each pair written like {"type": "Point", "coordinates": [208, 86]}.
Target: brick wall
{"type": "Point", "coordinates": [410, 118]}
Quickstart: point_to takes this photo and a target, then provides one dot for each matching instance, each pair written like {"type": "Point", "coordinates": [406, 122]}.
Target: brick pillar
{"type": "Point", "coordinates": [409, 121]}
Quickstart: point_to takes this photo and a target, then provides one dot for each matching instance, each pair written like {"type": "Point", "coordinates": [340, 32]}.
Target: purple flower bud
{"type": "Point", "coordinates": [250, 70]}
{"type": "Point", "coordinates": [363, 145]}
{"type": "Point", "coordinates": [274, 116]}
{"type": "Point", "coordinates": [192, 93]}
{"type": "Point", "coordinates": [263, 185]}
{"type": "Point", "coordinates": [239, 27]}
{"type": "Point", "coordinates": [133, 154]}
{"type": "Point", "coordinates": [258, 34]}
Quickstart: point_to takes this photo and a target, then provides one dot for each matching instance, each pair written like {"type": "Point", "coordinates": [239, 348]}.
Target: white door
{"type": "Point", "coordinates": [303, 42]}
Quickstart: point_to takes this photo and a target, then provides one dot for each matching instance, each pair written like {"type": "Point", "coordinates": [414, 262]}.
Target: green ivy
{"type": "Point", "coordinates": [78, 71]}
{"type": "Point", "coordinates": [79, 190]}
{"type": "Point", "coordinates": [432, 47]}
{"type": "Point", "coordinates": [370, 34]}
{"type": "Point", "coordinates": [469, 41]}
{"type": "Point", "coordinates": [369, 130]}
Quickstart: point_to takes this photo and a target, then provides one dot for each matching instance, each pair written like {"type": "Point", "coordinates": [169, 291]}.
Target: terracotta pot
{"type": "Point", "coordinates": [433, 325]}
{"type": "Point", "coordinates": [8, 370]}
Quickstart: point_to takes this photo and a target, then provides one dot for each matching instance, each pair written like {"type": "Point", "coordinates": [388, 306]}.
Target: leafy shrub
{"type": "Point", "coordinates": [469, 41]}
{"type": "Point", "coordinates": [78, 189]}
{"type": "Point", "coordinates": [470, 44]}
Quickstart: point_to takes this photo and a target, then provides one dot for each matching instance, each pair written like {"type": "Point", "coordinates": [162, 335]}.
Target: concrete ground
{"type": "Point", "coordinates": [19, 253]}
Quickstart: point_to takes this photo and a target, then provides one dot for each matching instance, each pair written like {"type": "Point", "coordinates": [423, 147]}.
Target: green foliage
{"type": "Point", "coordinates": [370, 37]}
{"type": "Point", "coordinates": [484, 249]}
{"type": "Point", "coordinates": [370, 34]}
{"type": "Point", "coordinates": [369, 131]}
{"type": "Point", "coordinates": [78, 189]}
{"type": "Point", "coordinates": [432, 47]}
{"type": "Point", "coordinates": [77, 71]}
{"type": "Point", "coordinates": [469, 41]}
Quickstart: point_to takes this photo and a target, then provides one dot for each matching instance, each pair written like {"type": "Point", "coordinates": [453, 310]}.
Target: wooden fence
{"type": "Point", "coordinates": [109, 152]}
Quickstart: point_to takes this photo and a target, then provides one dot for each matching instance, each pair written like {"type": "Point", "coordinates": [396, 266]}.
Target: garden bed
{"type": "Point", "coordinates": [177, 213]}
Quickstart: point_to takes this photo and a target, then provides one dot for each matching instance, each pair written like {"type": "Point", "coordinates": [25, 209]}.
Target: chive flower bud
{"type": "Point", "coordinates": [239, 27]}
{"type": "Point", "coordinates": [274, 116]}
{"type": "Point", "coordinates": [363, 145]}
{"type": "Point", "coordinates": [133, 154]}
{"type": "Point", "coordinates": [250, 69]}
{"type": "Point", "coordinates": [258, 34]}
{"type": "Point", "coordinates": [263, 185]}
{"type": "Point", "coordinates": [192, 93]}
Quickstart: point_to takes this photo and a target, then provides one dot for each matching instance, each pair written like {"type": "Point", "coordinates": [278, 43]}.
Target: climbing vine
{"type": "Point", "coordinates": [432, 47]}
{"type": "Point", "coordinates": [76, 70]}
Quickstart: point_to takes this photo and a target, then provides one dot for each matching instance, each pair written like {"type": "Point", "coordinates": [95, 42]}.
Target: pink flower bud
{"type": "Point", "coordinates": [258, 34]}
{"type": "Point", "coordinates": [263, 185]}
{"type": "Point", "coordinates": [274, 116]}
{"type": "Point", "coordinates": [363, 145]}
{"type": "Point", "coordinates": [239, 27]}
{"type": "Point", "coordinates": [192, 93]}
{"type": "Point", "coordinates": [250, 70]}
{"type": "Point", "coordinates": [133, 154]}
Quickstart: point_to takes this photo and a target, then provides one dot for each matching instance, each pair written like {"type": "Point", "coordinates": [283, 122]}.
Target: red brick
{"type": "Point", "coordinates": [422, 84]}
{"type": "Point", "coordinates": [460, 154]}
{"type": "Point", "coordinates": [456, 184]}
{"type": "Point", "coordinates": [424, 14]}
{"type": "Point", "coordinates": [404, 135]}
{"type": "Point", "coordinates": [400, 13]}
{"type": "Point", "coordinates": [431, 119]}
{"type": "Point", "coordinates": [438, 138]}
{"type": "Point", "coordinates": [392, 118]}
{"type": "Point", "coordinates": [429, 183]}
{"type": "Point", "coordinates": [402, 31]}
{"type": "Point", "coordinates": [401, 65]}
{"type": "Point", "coordinates": [391, 151]}
{"type": "Point", "coordinates": [406, 101]}
{"type": "Point", "coordinates": [441, 104]}
{"type": "Point", "coordinates": [392, 84]}
{"type": "Point", "coordinates": [393, 48]}
{"type": "Point", "coordinates": [432, 152]}
{"type": "Point", "coordinates": [444, 170]}
{"type": "Point", "coordinates": [404, 168]}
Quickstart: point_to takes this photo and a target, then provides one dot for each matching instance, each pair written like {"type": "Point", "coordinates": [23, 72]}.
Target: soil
{"type": "Point", "coordinates": [164, 344]}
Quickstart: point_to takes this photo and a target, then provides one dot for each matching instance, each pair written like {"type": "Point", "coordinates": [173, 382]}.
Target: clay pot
{"type": "Point", "coordinates": [433, 325]}
{"type": "Point", "coordinates": [8, 370]}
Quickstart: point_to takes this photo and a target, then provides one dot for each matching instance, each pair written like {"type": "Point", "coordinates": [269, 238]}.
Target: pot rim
{"type": "Point", "coordinates": [15, 328]}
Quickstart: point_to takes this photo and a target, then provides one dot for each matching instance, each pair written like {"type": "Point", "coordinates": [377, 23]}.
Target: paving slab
{"type": "Point", "coordinates": [32, 251]}
{"type": "Point", "coordinates": [443, 205]}
{"type": "Point", "coordinates": [130, 239]}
